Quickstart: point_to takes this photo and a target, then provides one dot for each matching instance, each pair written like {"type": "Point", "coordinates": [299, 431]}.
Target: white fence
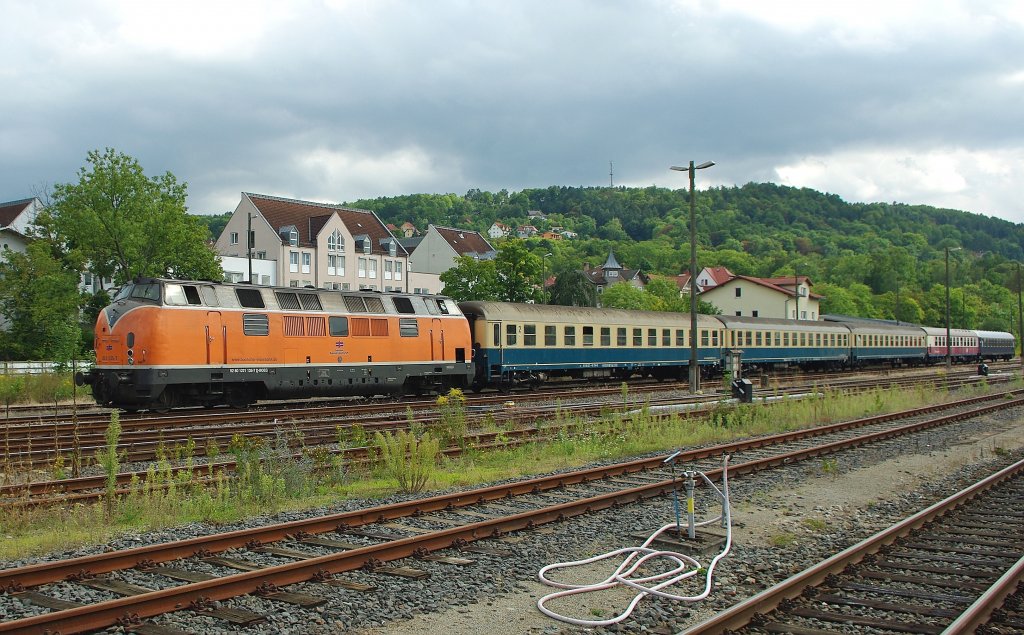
{"type": "Point", "coordinates": [37, 368]}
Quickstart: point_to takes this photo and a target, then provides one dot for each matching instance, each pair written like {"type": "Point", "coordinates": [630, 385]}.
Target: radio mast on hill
{"type": "Point", "coordinates": [611, 175]}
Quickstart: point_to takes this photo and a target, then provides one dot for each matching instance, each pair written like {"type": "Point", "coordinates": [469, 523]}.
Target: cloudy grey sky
{"type": "Point", "coordinates": [335, 100]}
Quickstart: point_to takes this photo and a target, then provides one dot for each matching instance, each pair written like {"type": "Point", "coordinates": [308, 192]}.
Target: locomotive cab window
{"type": "Point", "coordinates": [181, 295]}
{"type": "Point", "coordinates": [146, 292]}
{"type": "Point", "coordinates": [442, 306]}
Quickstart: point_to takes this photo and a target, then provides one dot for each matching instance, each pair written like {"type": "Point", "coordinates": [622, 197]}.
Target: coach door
{"type": "Point", "coordinates": [216, 338]}
{"type": "Point", "coordinates": [436, 340]}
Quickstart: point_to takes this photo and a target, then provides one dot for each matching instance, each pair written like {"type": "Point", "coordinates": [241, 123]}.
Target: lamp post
{"type": "Point", "coordinates": [1020, 322]}
{"type": "Point", "coordinates": [544, 271]}
{"type": "Point", "coordinates": [694, 363]}
{"type": "Point", "coordinates": [949, 355]}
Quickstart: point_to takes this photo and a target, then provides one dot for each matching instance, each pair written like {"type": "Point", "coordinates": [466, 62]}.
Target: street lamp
{"type": "Point", "coordinates": [694, 363]}
{"type": "Point", "coordinates": [1020, 322]}
{"type": "Point", "coordinates": [949, 355]}
{"type": "Point", "coordinates": [544, 271]}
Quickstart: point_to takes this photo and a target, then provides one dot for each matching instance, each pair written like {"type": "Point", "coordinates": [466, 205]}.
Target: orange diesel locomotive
{"type": "Point", "coordinates": [166, 343]}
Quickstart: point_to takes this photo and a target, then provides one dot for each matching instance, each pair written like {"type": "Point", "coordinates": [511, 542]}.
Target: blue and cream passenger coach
{"type": "Point", "coordinates": [527, 343]}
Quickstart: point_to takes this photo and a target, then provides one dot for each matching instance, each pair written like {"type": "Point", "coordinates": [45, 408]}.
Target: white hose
{"type": "Point", "coordinates": [683, 567]}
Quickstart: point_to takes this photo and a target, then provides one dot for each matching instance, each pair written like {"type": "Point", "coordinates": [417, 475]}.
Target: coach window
{"type": "Point", "coordinates": [638, 337]}
{"type": "Point", "coordinates": [704, 338]}
{"type": "Point", "coordinates": [588, 335]}
{"type": "Point", "coordinates": [750, 338]}
{"type": "Point", "coordinates": [680, 337]}
{"type": "Point", "coordinates": [338, 326]}
{"type": "Point", "coordinates": [496, 335]}
{"type": "Point", "coordinates": [803, 339]}
{"type": "Point", "coordinates": [757, 338]}
{"type": "Point", "coordinates": [652, 337]}
{"type": "Point", "coordinates": [778, 339]}
{"type": "Point", "coordinates": [510, 334]}
{"type": "Point", "coordinates": [714, 338]}
{"type": "Point", "coordinates": [569, 336]}
{"type": "Point", "coordinates": [620, 336]}
{"type": "Point", "coordinates": [529, 335]}
{"type": "Point", "coordinates": [606, 336]}
{"type": "Point", "coordinates": [666, 337]}
{"type": "Point", "coordinates": [550, 335]}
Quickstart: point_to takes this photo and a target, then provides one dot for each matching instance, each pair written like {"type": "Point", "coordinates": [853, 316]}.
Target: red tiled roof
{"type": "Point", "coordinates": [308, 218]}
{"type": "Point", "coordinates": [464, 241]}
{"type": "Point", "coordinates": [720, 274]}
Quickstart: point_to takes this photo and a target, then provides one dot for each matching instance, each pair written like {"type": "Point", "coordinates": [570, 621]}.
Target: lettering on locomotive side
{"type": "Point", "coordinates": [255, 369]}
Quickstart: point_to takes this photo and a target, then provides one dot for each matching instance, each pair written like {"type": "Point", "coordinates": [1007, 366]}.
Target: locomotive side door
{"type": "Point", "coordinates": [216, 344]}
{"type": "Point", "coordinates": [436, 340]}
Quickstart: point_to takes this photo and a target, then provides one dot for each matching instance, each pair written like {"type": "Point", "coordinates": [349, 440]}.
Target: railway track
{"type": "Point", "coordinates": [30, 445]}
{"type": "Point", "coordinates": [945, 570]}
{"type": "Point", "coordinates": [528, 428]}
{"type": "Point", "coordinates": [197, 574]}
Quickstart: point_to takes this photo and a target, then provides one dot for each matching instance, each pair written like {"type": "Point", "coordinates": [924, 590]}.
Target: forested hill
{"type": "Point", "coordinates": [754, 218]}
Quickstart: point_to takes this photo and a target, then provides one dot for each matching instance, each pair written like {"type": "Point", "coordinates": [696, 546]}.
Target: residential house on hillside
{"type": "Point", "coordinates": [499, 230]}
{"type": "Point", "coordinates": [526, 231]}
{"type": "Point", "coordinates": [437, 251]}
{"type": "Point", "coordinates": [789, 298]}
{"type": "Point", "coordinates": [611, 272]}
{"type": "Point", "coordinates": [303, 243]}
{"type": "Point", "coordinates": [408, 230]}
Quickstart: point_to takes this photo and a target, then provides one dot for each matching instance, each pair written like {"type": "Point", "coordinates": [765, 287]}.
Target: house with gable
{"type": "Point", "coordinates": [15, 218]}
{"type": "Point", "coordinates": [788, 298]}
{"type": "Point", "coordinates": [303, 243]}
{"type": "Point", "coordinates": [437, 251]}
{"type": "Point", "coordinates": [611, 272]}
{"type": "Point", "coordinates": [498, 230]}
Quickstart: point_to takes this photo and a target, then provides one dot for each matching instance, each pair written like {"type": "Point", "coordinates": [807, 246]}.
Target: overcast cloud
{"type": "Point", "coordinates": [335, 100]}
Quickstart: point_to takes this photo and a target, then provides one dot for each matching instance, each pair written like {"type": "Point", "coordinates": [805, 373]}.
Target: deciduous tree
{"type": "Point", "coordinates": [125, 224]}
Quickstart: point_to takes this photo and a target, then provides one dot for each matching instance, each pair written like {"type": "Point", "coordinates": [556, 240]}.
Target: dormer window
{"type": "Point", "coordinates": [392, 248]}
{"type": "Point", "coordinates": [289, 234]}
{"type": "Point", "coordinates": [366, 246]}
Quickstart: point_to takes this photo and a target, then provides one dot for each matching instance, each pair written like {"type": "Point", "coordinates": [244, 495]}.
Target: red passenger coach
{"type": "Point", "coordinates": [963, 344]}
{"type": "Point", "coordinates": [165, 343]}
